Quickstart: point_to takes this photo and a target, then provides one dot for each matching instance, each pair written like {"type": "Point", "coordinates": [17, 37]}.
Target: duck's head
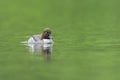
{"type": "Point", "coordinates": [46, 34]}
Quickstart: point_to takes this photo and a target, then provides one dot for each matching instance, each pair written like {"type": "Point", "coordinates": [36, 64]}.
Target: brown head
{"type": "Point", "coordinates": [46, 34]}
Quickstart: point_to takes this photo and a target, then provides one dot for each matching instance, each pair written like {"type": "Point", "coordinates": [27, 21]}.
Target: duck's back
{"type": "Point", "coordinates": [34, 39]}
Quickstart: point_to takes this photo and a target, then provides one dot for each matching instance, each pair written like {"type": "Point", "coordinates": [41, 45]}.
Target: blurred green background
{"type": "Point", "coordinates": [86, 36]}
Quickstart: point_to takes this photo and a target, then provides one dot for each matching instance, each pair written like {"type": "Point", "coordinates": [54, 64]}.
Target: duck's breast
{"type": "Point", "coordinates": [47, 41]}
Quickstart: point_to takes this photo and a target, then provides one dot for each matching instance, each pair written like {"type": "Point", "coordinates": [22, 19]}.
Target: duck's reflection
{"type": "Point", "coordinates": [45, 49]}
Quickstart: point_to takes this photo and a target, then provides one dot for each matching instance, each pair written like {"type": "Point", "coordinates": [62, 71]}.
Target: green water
{"type": "Point", "coordinates": [86, 39]}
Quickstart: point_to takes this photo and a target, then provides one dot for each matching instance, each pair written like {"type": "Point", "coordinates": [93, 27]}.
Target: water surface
{"type": "Point", "coordinates": [86, 36]}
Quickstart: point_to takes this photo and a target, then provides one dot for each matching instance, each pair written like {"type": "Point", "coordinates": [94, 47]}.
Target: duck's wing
{"type": "Point", "coordinates": [34, 39]}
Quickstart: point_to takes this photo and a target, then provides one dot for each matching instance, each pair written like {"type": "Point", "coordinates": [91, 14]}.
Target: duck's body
{"type": "Point", "coordinates": [37, 39]}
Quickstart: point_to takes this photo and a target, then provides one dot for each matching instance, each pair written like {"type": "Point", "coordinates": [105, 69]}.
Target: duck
{"type": "Point", "coordinates": [44, 38]}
